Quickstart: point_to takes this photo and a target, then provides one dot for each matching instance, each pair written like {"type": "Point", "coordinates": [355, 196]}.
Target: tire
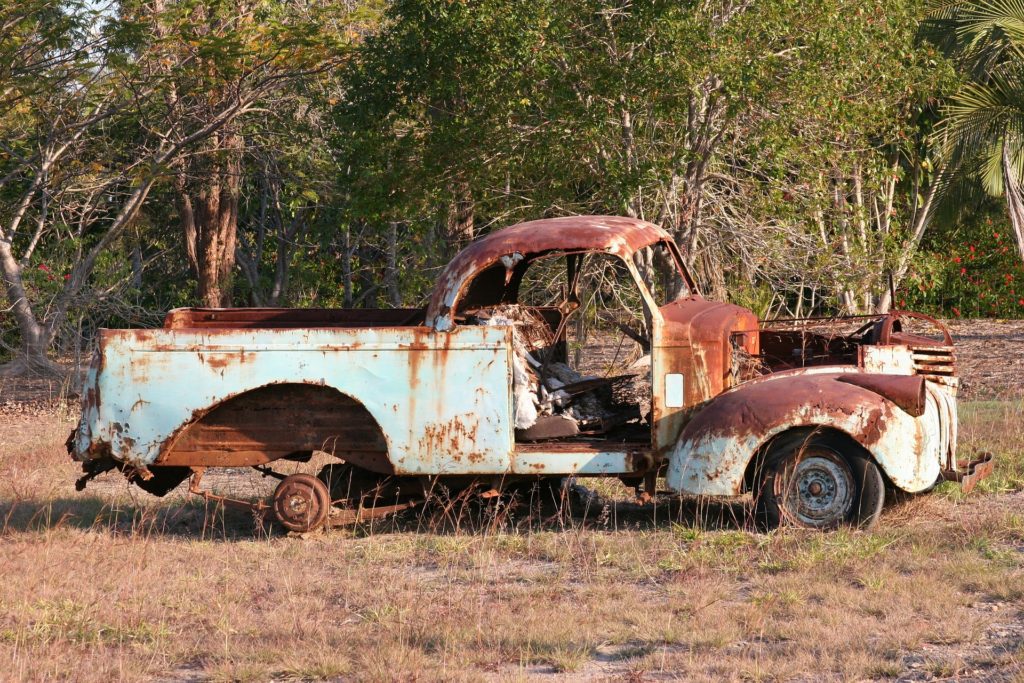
{"type": "Point", "coordinates": [819, 482]}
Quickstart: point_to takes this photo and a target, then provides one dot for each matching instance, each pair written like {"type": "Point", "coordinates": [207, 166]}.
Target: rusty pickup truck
{"type": "Point", "coordinates": [565, 347]}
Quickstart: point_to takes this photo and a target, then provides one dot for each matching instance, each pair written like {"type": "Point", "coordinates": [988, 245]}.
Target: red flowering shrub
{"type": "Point", "coordinates": [977, 277]}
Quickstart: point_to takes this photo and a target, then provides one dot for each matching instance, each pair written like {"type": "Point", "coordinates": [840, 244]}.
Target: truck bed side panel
{"type": "Point", "coordinates": [442, 400]}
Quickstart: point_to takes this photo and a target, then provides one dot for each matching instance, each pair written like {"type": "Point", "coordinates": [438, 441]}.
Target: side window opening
{"type": "Point", "coordinates": [581, 366]}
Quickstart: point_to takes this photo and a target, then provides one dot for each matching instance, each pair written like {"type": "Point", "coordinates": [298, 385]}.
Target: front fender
{"type": "Point", "coordinates": [714, 449]}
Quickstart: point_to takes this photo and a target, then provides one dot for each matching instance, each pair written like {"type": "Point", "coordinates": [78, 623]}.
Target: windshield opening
{"type": "Point", "coordinates": [662, 273]}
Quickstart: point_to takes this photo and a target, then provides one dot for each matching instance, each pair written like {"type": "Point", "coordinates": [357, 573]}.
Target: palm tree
{"type": "Point", "coordinates": [981, 134]}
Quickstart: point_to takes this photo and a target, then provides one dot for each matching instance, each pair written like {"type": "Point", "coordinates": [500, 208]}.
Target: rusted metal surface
{"type": "Point", "coordinates": [715, 449]}
{"type": "Point", "coordinates": [815, 489]}
{"type": "Point", "coordinates": [287, 318]}
{"type": "Point", "coordinates": [258, 508]}
{"type": "Point", "coordinates": [301, 502]}
{"type": "Point", "coordinates": [890, 330]}
{"type": "Point", "coordinates": [906, 392]}
{"type": "Point", "coordinates": [597, 460]}
{"type": "Point", "coordinates": [969, 472]}
{"type": "Point", "coordinates": [440, 402]}
{"type": "Point", "coordinates": [347, 517]}
{"type": "Point", "coordinates": [698, 340]}
{"type": "Point", "coordinates": [275, 421]}
{"type": "Point", "coordinates": [414, 392]}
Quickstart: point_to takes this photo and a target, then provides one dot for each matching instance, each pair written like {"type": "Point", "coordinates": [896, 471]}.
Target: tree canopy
{"type": "Point", "coordinates": [803, 154]}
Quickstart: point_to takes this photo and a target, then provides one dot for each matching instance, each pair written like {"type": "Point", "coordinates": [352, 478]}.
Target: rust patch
{"type": "Point", "coordinates": [907, 392]}
{"type": "Point", "coordinates": [214, 319]}
{"type": "Point", "coordinates": [454, 438]}
{"type": "Point", "coordinates": [276, 421]}
{"type": "Point", "coordinates": [219, 361]}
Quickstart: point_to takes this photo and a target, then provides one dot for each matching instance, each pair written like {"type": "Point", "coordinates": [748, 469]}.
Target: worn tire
{"type": "Point", "coordinates": [819, 482]}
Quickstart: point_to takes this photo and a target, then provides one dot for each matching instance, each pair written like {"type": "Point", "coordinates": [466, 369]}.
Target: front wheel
{"type": "Point", "coordinates": [819, 482]}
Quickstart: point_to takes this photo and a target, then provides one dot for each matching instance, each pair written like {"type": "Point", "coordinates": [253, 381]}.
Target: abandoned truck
{"type": "Point", "coordinates": [574, 346]}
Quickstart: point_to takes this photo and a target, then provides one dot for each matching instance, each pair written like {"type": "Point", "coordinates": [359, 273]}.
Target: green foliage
{"type": "Point", "coordinates": [671, 111]}
{"type": "Point", "coordinates": [981, 134]}
{"type": "Point", "coordinates": [971, 270]}
{"type": "Point", "coordinates": [787, 146]}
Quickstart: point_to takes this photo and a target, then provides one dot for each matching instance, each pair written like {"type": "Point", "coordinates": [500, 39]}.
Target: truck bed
{"type": "Point", "coordinates": [438, 402]}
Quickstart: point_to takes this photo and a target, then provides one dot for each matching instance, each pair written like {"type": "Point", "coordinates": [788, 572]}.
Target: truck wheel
{"type": "Point", "coordinates": [820, 483]}
{"type": "Point", "coordinates": [301, 502]}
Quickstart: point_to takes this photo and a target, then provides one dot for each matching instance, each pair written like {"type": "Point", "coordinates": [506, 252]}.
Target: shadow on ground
{"type": "Point", "coordinates": [575, 510]}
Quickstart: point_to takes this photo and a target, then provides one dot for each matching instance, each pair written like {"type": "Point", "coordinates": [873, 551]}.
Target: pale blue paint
{"type": "Point", "coordinates": [415, 383]}
{"type": "Point", "coordinates": [911, 451]}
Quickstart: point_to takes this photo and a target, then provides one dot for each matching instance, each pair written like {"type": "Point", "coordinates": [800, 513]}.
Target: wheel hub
{"type": "Point", "coordinates": [301, 502]}
{"type": "Point", "coordinates": [820, 491]}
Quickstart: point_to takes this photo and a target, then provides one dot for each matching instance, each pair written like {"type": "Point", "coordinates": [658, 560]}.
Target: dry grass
{"type": "Point", "coordinates": [103, 586]}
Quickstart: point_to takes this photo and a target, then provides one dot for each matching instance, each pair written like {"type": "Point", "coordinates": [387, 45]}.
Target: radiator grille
{"type": "Point", "coordinates": [936, 363]}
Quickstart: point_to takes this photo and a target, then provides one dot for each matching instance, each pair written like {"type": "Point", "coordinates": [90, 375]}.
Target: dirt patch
{"type": "Point", "coordinates": [990, 357]}
{"type": "Point", "coordinates": [30, 396]}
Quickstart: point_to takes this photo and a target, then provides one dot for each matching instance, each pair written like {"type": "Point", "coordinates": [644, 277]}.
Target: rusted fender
{"type": "Point", "coordinates": [712, 453]}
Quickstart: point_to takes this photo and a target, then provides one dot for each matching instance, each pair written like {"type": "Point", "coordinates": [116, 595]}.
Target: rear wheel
{"type": "Point", "coordinates": [819, 482]}
{"type": "Point", "coordinates": [301, 502]}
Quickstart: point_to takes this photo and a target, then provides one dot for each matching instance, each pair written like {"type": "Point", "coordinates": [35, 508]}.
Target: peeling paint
{"type": "Point", "coordinates": [411, 392]}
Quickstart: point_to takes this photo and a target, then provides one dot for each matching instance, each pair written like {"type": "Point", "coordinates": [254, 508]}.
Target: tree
{"type": "Point", "coordinates": [59, 86]}
{"type": "Point", "coordinates": [213, 55]}
{"type": "Point", "coordinates": [95, 93]}
{"type": "Point", "coordinates": [758, 154]}
{"type": "Point", "coordinates": [981, 134]}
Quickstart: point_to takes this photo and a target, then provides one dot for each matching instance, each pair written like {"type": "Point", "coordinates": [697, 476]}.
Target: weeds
{"type": "Point", "coordinates": [573, 584]}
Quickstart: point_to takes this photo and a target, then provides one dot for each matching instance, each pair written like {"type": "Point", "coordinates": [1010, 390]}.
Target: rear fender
{"type": "Point", "coordinates": [712, 454]}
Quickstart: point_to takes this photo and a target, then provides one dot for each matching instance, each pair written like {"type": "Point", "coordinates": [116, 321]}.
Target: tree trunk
{"type": "Point", "coordinates": [921, 220]}
{"type": "Point", "coordinates": [346, 266]}
{"type": "Point", "coordinates": [35, 337]}
{"type": "Point", "coordinates": [137, 266]}
{"type": "Point", "coordinates": [460, 220]}
{"type": "Point", "coordinates": [1014, 200]}
{"type": "Point", "coordinates": [391, 272]}
{"type": "Point", "coordinates": [209, 216]}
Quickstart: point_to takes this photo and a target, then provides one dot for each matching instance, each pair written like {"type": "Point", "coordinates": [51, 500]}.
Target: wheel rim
{"type": "Point", "coordinates": [301, 502]}
{"type": "Point", "coordinates": [818, 490]}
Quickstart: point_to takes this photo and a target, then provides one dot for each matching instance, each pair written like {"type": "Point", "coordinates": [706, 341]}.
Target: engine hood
{"type": "Point", "coordinates": [693, 321]}
{"type": "Point", "coordinates": [698, 345]}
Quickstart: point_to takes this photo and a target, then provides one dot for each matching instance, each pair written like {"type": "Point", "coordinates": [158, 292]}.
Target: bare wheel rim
{"type": "Point", "coordinates": [301, 502]}
{"type": "Point", "coordinates": [818, 490]}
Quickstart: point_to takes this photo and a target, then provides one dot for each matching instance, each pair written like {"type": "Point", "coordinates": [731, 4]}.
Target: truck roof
{"type": "Point", "coordinates": [613, 234]}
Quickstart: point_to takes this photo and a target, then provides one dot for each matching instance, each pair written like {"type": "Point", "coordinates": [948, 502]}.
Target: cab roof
{"type": "Point", "coordinates": [617, 235]}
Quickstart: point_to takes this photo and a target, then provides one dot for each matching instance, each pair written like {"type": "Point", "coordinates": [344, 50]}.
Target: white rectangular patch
{"type": "Point", "coordinates": [674, 390]}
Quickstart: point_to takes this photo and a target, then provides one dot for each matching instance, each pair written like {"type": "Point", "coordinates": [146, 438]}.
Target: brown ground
{"type": "Point", "coordinates": [990, 354]}
{"type": "Point", "coordinates": [112, 584]}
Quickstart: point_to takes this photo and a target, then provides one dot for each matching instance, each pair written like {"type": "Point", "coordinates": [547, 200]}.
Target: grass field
{"type": "Point", "coordinates": [109, 585]}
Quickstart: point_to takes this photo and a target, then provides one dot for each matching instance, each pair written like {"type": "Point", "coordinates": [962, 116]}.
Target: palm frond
{"type": "Point", "coordinates": [978, 35]}
{"type": "Point", "coordinates": [990, 171]}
